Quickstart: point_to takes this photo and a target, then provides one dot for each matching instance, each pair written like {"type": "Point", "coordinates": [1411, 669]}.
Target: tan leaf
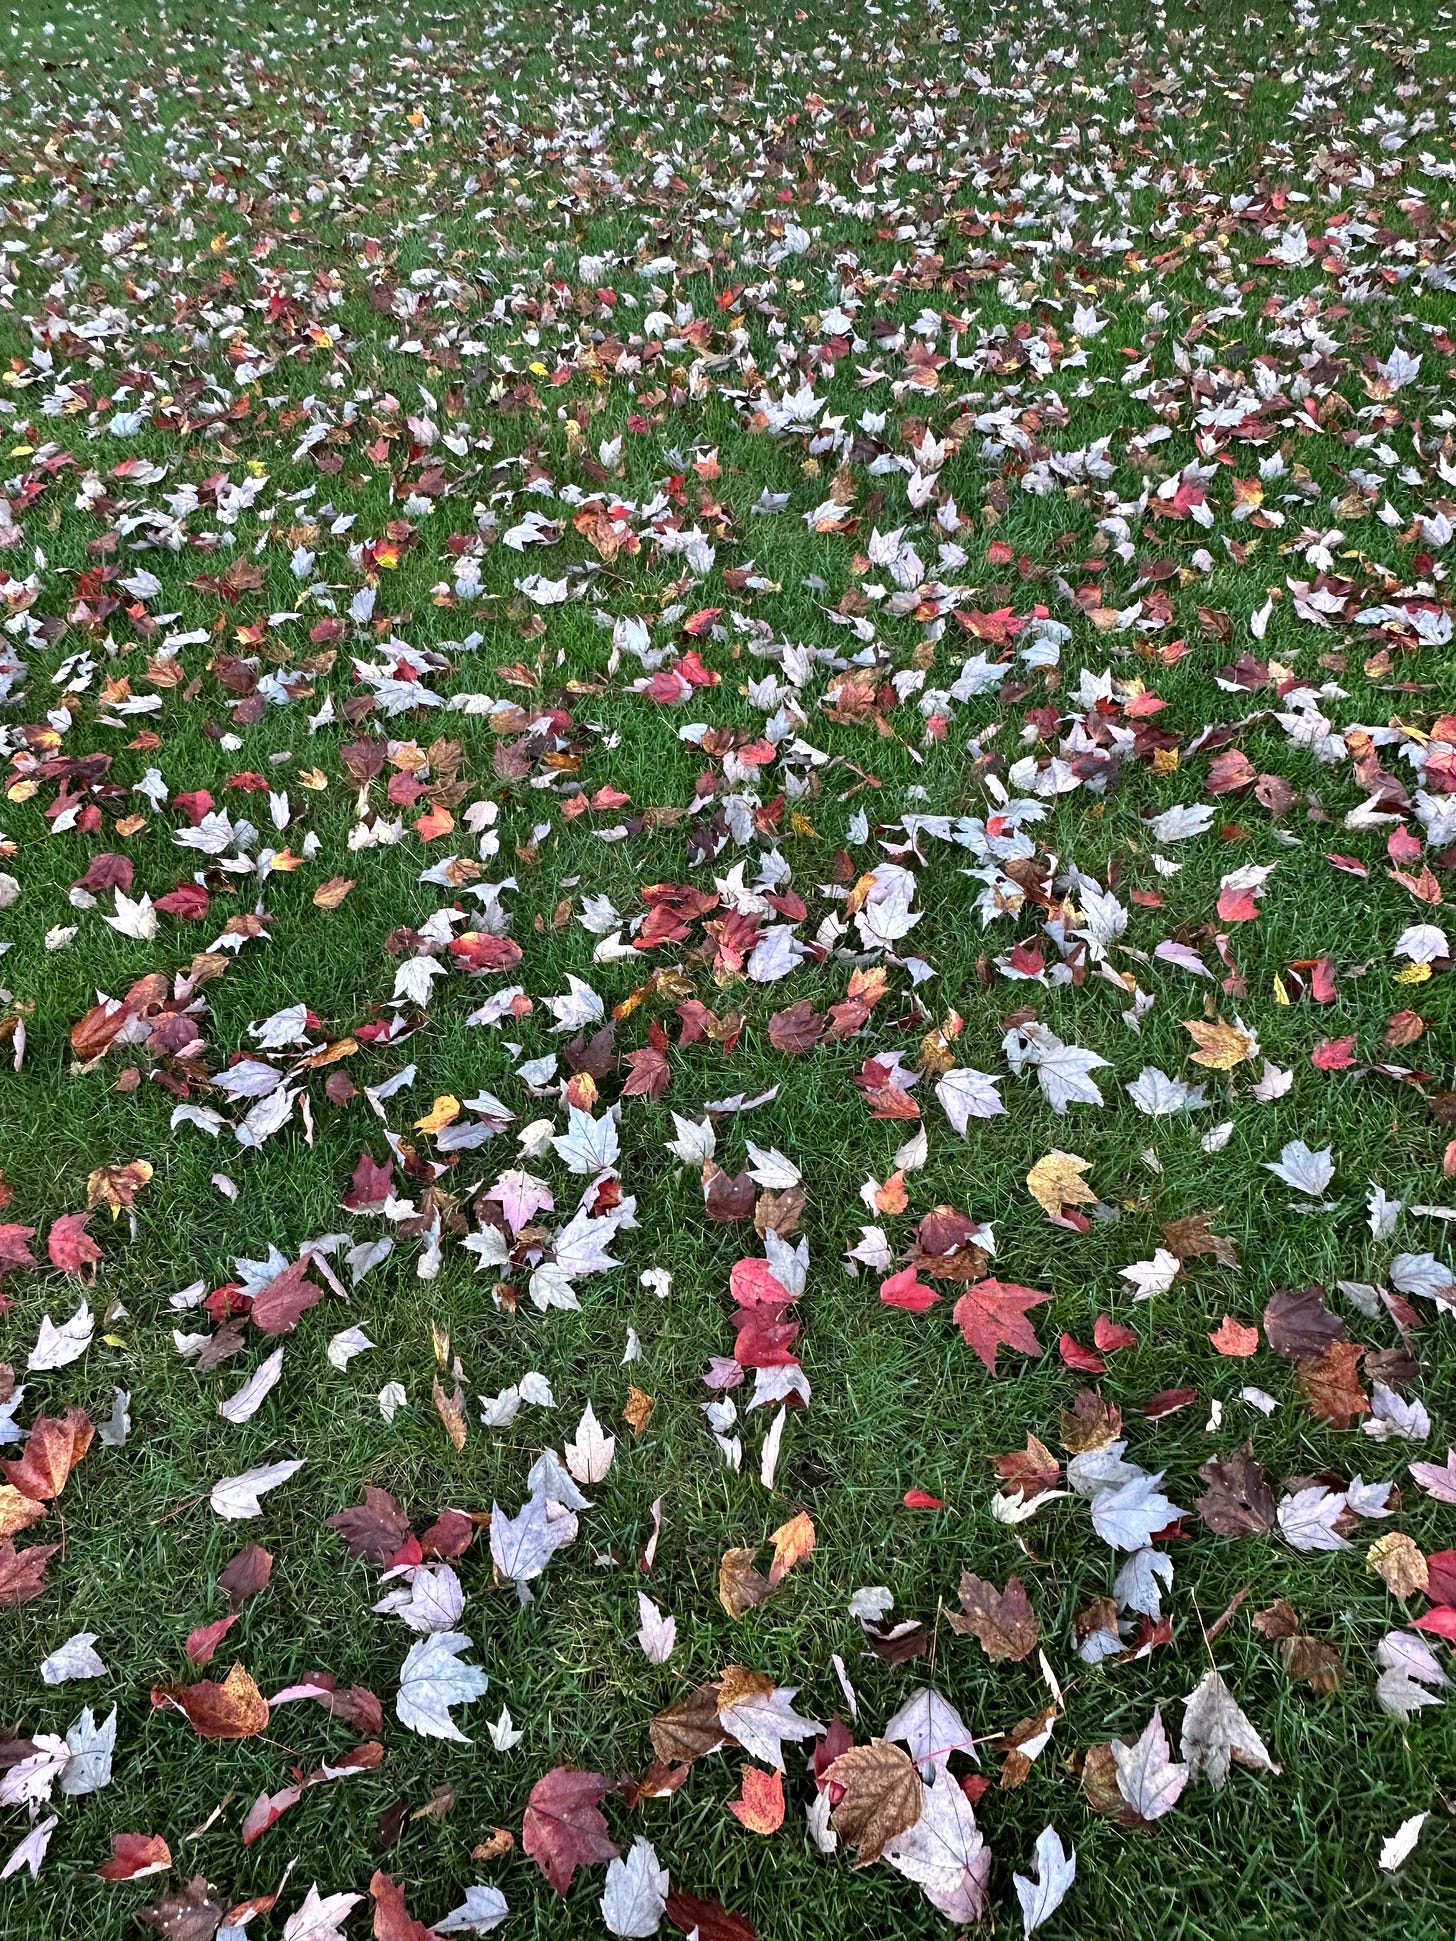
{"type": "Point", "coordinates": [1399, 1561]}
{"type": "Point", "coordinates": [328, 896]}
{"type": "Point", "coordinates": [1003, 1621]}
{"type": "Point", "coordinates": [738, 1684]}
{"type": "Point", "coordinates": [638, 1412]}
{"type": "Point", "coordinates": [882, 1796]}
{"type": "Point", "coordinates": [451, 1411]}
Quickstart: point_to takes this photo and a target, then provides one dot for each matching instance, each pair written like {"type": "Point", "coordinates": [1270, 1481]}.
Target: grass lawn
{"type": "Point", "coordinates": [537, 541]}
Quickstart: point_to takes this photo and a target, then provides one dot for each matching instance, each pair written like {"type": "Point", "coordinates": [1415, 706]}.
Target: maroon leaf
{"type": "Point", "coordinates": [373, 1529]}
{"type": "Point", "coordinates": [564, 1828]}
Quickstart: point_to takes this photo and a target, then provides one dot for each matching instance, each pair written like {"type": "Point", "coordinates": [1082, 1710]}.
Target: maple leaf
{"type": "Point", "coordinates": [392, 1919]}
{"type": "Point", "coordinates": [22, 1572]}
{"type": "Point", "coordinates": [944, 1853]}
{"type": "Point", "coordinates": [1003, 1621]}
{"type": "Point", "coordinates": [760, 1805]}
{"type": "Point", "coordinates": [1056, 1871]}
{"type": "Point", "coordinates": [235, 1709]}
{"type": "Point", "coordinates": [319, 1917]}
{"type": "Point", "coordinates": [1332, 1386]}
{"type": "Point", "coordinates": [992, 1314]}
{"type": "Point", "coordinates": [193, 1914]}
{"type": "Point", "coordinates": [1238, 1501]}
{"type": "Point", "coordinates": [564, 1827]}
{"type": "Point", "coordinates": [636, 1892]}
{"type": "Point", "coordinates": [375, 1529]}
{"type": "Point", "coordinates": [280, 1306]}
{"type": "Point", "coordinates": [135, 1855]}
{"type": "Point", "coordinates": [882, 1796]}
{"type": "Point", "coordinates": [434, 1678]}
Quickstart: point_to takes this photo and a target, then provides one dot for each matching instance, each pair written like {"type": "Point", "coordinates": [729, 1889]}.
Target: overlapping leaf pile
{"type": "Point", "coordinates": [647, 663]}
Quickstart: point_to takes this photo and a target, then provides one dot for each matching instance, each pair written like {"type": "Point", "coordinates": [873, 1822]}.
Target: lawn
{"type": "Point", "coordinates": [728, 797]}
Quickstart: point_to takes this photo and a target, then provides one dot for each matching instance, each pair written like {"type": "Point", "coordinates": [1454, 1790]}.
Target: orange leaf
{"type": "Point", "coordinates": [761, 1807]}
{"type": "Point", "coordinates": [235, 1709]}
{"type": "Point", "coordinates": [1231, 1337]}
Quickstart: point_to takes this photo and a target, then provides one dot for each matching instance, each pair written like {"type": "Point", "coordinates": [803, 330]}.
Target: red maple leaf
{"type": "Point", "coordinates": [564, 1828]}
{"type": "Point", "coordinates": [992, 1314]}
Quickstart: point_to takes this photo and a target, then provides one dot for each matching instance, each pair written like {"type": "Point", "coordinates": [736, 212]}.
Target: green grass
{"type": "Point", "coordinates": [124, 114]}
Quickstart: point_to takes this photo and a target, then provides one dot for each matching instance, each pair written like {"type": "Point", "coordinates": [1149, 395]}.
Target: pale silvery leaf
{"type": "Point", "coordinates": [761, 1722]}
{"type": "Point", "coordinates": [1393, 1418]}
{"type": "Point", "coordinates": [1217, 1138]}
{"type": "Point", "coordinates": [1395, 1851]}
{"type": "Point", "coordinates": [965, 1095]}
{"type": "Point", "coordinates": [579, 1005]}
{"type": "Point", "coordinates": [1128, 1516]}
{"type": "Point", "coordinates": [236, 1497]}
{"type": "Point", "coordinates": [503, 1734]}
{"type": "Point", "coordinates": [658, 1633]}
{"type": "Point", "coordinates": [1136, 1586]}
{"type": "Point", "coordinates": [134, 918]}
{"type": "Point", "coordinates": [1056, 1870]}
{"type": "Point", "coordinates": [482, 1909]}
{"type": "Point", "coordinates": [58, 1347]}
{"type": "Point", "coordinates": [588, 1145]}
{"type": "Point", "coordinates": [1307, 1519]}
{"type": "Point", "coordinates": [817, 1812]}
{"type": "Point", "coordinates": [432, 1680]}
{"type": "Point", "coordinates": [1398, 1693]}
{"type": "Point", "coordinates": [1384, 1212]}
{"type": "Point", "coordinates": [1065, 1076]}
{"type": "Point", "coordinates": [1368, 1499]}
{"type": "Point", "coordinates": [1422, 1275]}
{"type": "Point", "coordinates": [90, 1745]}
{"type": "Point", "coordinates": [117, 1427]}
{"type": "Point", "coordinates": [414, 980]}
{"type": "Point", "coordinates": [1307, 1172]}
{"type": "Point", "coordinates": [1175, 825]}
{"type": "Point", "coordinates": [523, 1545]}
{"type": "Point", "coordinates": [929, 1726]}
{"type": "Point", "coordinates": [1155, 1276]}
{"type": "Point", "coordinates": [1096, 1470]}
{"type": "Point", "coordinates": [943, 1853]}
{"type": "Point", "coordinates": [1215, 1731]}
{"type": "Point", "coordinates": [636, 1892]}
{"type": "Point", "coordinates": [32, 1778]}
{"type": "Point", "coordinates": [431, 1601]}
{"type": "Point", "coordinates": [771, 1170]}
{"type": "Point", "coordinates": [32, 1849]}
{"type": "Point", "coordinates": [1273, 1084]}
{"type": "Point", "coordinates": [1153, 1092]}
{"type": "Point", "coordinates": [547, 1478]}
{"type": "Point", "coordinates": [549, 1287]}
{"type": "Point", "coordinates": [243, 1405]}
{"type": "Point", "coordinates": [695, 1141]}
{"type": "Point", "coordinates": [1148, 1778]}
{"type": "Point", "coordinates": [344, 1345]}
{"type": "Point", "coordinates": [590, 1456]}
{"type": "Point", "coordinates": [74, 1659]}
{"type": "Point", "coordinates": [320, 1917]}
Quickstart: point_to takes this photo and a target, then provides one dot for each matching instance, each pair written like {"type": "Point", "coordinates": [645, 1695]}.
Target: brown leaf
{"type": "Point", "coordinates": [1029, 1472]}
{"type": "Point", "coordinates": [882, 1796]}
{"type": "Point", "coordinates": [194, 1914]}
{"type": "Point", "coordinates": [1189, 1238]}
{"type": "Point", "coordinates": [727, 1199]}
{"type": "Point", "coordinates": [1297, 1323]}
{"type": "Point", "coordinates": [1003, 1621]}
{"type": "Point", "coordinates": [740, 1586]}
{"type": "Point", "coordinates": [708, 1920]}
{"type": "Point", "coordinates": [55, 1443]}
{"type": "Point", "coordinates": [564, 1828]}
{"type": "Point", "coordinates": [1238, 1501]}
{"type": "Point", "coordinates": [451, 1411]}
{"type": "Point", "coordinates": [797, 1029]}
{"type": "Point", "coordinates": [688, 1728]}
{"type": "Point", "coordinates": [235, 1709]}
{"type": "Point", "coordinates": [392, 1919]}
{"type": "Point", "coordinates": [1091, 1423]}
{"type": "Point", "coordinates": [282, 1304]}
{"type": "Point", "coordinates": [328, 896]}
{"type": "Point", "coordinates": [1331, 1384]}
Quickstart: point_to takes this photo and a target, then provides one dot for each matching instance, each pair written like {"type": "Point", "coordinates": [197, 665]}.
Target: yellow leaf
{"type": "Point", "coordinates": [1056, 1181]}
{"type": "Point", "coordinates": [1220, 1046]}
{"type": "Point", "coordinates": [445, 1111]}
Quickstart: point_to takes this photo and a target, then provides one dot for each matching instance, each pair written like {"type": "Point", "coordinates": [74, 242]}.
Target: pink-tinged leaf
{"type": "Point", "coordinates": [1333, 1055]}
{"type": "Point", "coordinates": [755, 1281]}
{"type": "Point", "coordinates": [71, 1248]}
{"type": "Point", "coordinates": [904, 1290]}
{"type": "Point", "coordinates": [134, 1855]}
{"type": "Point", "coordinates": [1438, 1480]}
